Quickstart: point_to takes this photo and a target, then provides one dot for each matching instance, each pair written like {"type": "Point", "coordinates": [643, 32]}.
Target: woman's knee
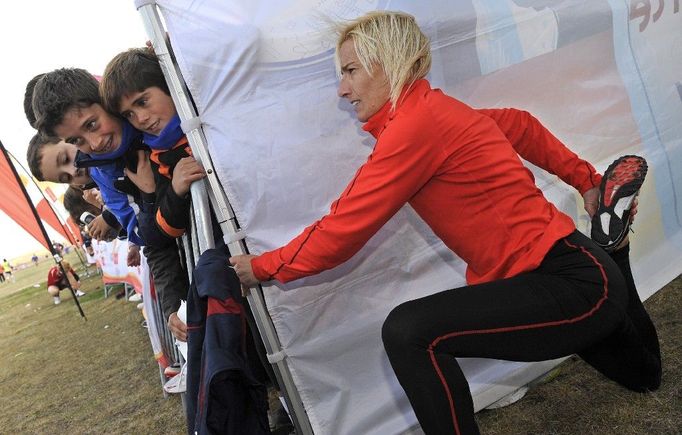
{"type": "Point", "coordinates": [53, 291]}
{"type": "Point", "coordinates": [401, 328]}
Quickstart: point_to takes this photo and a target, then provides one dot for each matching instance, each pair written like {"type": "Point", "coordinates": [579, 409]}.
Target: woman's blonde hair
{"type": "Point", "coordinates": [391, 40]}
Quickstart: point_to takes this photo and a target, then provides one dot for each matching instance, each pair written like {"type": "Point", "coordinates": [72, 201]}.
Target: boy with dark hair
{"type": "Point", "coordinates": [51, 159]}
{"type": "Point", "coordinates": [28, 99]}
{"type": "Point", "coordinates": [67, 104]}
{"type": "Point", "coordinates": [63, 94]}
{"type": "Point", "coordinates": [133, 86]}
{"type": "Point", "coordinates": [134, 78]}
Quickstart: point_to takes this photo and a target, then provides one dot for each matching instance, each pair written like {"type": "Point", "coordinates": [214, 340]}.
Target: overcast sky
{"type": "Point", "coordinates": [37, 36]}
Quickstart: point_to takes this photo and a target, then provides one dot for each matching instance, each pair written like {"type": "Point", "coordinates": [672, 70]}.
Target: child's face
{"type": "Point", "coordinates": [57, 165]}
{"type": "Point", "coordinates": [148, 111]}
{"type": "Point", "coordinates": [92, 129]}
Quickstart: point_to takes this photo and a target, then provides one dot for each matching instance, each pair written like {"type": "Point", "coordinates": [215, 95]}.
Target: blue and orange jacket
{"type": "Point", "coordinates": [172, 211]}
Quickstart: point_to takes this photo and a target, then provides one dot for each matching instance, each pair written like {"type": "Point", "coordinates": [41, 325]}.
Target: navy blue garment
{"type": "Point", "coordinates": [223, 397]}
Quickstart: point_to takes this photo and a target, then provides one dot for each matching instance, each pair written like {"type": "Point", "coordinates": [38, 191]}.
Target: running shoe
{"type": "Point", "coordinates": [618, 189]}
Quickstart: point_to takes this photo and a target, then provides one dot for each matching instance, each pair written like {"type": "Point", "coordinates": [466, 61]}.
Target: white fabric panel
{"type": "Point", "coordinates": [111, 258]}
{"type": "Point", "coordinates": [261, 74]}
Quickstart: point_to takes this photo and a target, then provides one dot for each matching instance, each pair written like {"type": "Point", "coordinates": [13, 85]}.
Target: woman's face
{"type": "Point", "coordinates": [367, 93]}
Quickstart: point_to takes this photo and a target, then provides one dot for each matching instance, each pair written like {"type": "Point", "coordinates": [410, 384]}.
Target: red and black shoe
{"type": "Point", "coordinates": [618, 189]}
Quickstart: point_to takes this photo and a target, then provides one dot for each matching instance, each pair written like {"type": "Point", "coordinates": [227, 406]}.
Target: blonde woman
{"type": "Point", "coordinates": [537, 288]}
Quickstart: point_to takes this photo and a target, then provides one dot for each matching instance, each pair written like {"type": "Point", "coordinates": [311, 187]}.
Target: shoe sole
{"type": "Point", "coordinates": [618, 189]}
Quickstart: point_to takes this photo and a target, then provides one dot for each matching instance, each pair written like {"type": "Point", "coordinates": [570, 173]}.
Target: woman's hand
{"type": "Point", "coordinates": [591, 199]}
{"type": "Point", "coordinates": [94, 197]}
{"type": "Point", "coordinates": [242, 266]}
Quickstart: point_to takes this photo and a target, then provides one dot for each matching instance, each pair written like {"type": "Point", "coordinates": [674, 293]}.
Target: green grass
{"type": "Point", "coordinates": [63, 374]}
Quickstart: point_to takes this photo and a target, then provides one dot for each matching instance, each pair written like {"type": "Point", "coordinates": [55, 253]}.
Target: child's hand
{"type": "Point", "coordinates": [187, 171]}
{"type": "Point", "coordinates": [177, 327]}
{"type": "Point", "coordinates": [133, 259]}
{"type": "Point", "coordinates": [144, 177]}
{"type": "Point", "coordinates": [99, 229]}
{"type": "Point", "coordinates": [94, 197]}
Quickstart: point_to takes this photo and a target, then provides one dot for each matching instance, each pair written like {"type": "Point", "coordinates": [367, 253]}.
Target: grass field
{"type": "Point", "coordinates": [61, 374]}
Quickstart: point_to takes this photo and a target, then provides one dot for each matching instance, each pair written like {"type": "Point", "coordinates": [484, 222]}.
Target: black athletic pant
{"type": "Point", "coordinates": [576, 301]}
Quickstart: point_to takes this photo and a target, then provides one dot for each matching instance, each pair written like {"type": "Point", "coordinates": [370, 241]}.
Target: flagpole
{"type": "Point", "coordinates": [49, 203]}
{"type": "Point", "coordinates": [57, 257]}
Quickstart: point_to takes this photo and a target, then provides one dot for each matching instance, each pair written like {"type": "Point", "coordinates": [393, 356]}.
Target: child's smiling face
{"type": "Point", "coordinates": [92, 129]}
{"type": "Point", "coordinates": [149, 111]}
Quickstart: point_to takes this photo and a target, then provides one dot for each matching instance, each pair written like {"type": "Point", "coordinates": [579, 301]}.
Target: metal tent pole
{"type": "Point", "coordinates": [223, 211]}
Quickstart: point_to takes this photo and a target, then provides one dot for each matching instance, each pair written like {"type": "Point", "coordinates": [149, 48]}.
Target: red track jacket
{"type": "Point", "coordinates": [459, 168]}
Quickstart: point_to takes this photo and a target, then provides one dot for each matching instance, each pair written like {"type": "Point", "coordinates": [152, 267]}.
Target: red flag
{"type": "Point", "coordinates": [50, 194]}
{"type": "Point", "coordinates": [14, 203]}
{"type": "Point", "coordinates": [75, 230]}
{"type": "Point", "coordinates": [47, 214]}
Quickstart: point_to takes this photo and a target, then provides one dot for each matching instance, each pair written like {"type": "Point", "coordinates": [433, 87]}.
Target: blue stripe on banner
{"type": "Point", "coordinates": [658, 156]}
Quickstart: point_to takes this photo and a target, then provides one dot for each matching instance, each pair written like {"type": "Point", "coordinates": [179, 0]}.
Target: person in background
{"type": "Point", "coordinates": [7, 270]}
{"type": "Point", "coordinates": [57, 281]}
{"type": "Point", "coordinates": [58, 247]}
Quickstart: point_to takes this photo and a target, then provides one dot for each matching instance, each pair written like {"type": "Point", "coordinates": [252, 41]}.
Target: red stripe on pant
{"type": "Point", "coordinates": [435, 342]}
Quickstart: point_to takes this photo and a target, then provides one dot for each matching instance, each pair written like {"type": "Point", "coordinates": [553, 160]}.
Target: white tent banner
{"type": "Point", "coordinates": [599, 74]}
{"type": "Point", "coordinates": [111, 258]}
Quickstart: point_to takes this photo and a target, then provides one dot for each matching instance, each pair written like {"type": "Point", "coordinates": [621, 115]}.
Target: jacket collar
{"type": "Point", "coordinates": [376, 123]}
